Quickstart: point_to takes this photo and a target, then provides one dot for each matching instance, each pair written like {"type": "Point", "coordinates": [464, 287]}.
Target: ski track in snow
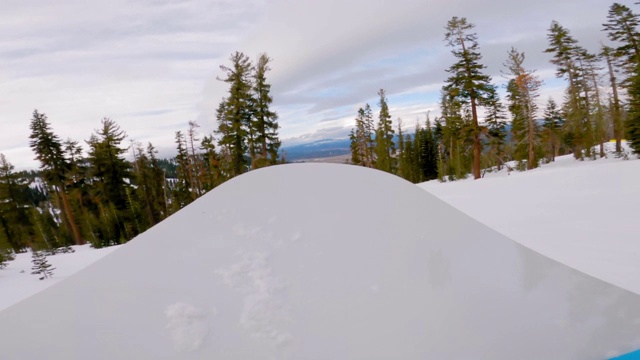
{"type": "Point", "coordinates": [262, 314]}
{"type": "Point", "coordinates": [188, 326]}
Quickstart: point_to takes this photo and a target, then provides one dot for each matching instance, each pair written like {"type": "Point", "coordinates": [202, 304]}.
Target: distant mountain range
{"type": "Point", "coordinates": [317, 149]}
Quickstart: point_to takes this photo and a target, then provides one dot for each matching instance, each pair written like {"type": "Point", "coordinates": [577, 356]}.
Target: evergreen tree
{"type": "Point", "coordinates": [384, 147]}
{"type": "Point", "coordinates": [48, 149]}
{"type": "Point", "coordinates": [235, 114]}
{"type": "Point", "coordinates": [552, 130]}
{"type": "Point", "coordinates": [149, 186]}
{"type": "Point", "coordinates": [182, 193]}
{"type": "Point", "coordinates": [6, 251]}
{"type": "Point", "coordinates": [523, 89]}
{"type": "Point", "coordinates": [356, 157]}
{"type": "Point", "coordinates": [401, 170]}
{"type": "Point", "coordinates": [496, 132]}
{"type": "Point", "coordinates": [467, 83]}
{"type": "Point", "coordinates": [622, 27]}
{"type": "Point", "coordinates": [212, 174]}
{"type": "Point", "coordinates": [14, 203]}
{"type": "Point", "coordinates": [362, 143]}
{"type": "Point", "coordinates": [265, 121]}
{"type": "Point", "coordinates": [40, 265]}
{"type": "Point", "coordinates": [194, 162]}
{"type": "Point", "coordinates": [569, 57]}
{"type": "Point", "coordinates": [428, 159]}
{"type": "Point", "coordinates": [455, 131]}
{"type": "Point", "coordinates": [111, 176]}
{"type": "Point", "coordinates": [615, 107]}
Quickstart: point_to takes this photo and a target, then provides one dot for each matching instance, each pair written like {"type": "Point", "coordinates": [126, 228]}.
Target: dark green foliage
{"type": "Point", "coordinates": [54, 168]}
{"type": "Point", "coordinates": [622, 28]}
{"type": "Point", "coordinates": [182, 194]}
{"type": "Point", "coordinates": [6, 251]}
{"type": "Point", "coordinates": [384, 146]}
{"type": "Point", "coordinates": [552, 131]}
{"type": "Point", "coordinates": [362, 139]}
{"type": "Point", "coordinates": [523, 91]}
{"type": "Point", "coordinates": [419, 155]}
{"type": "Point", "coordinates": [264, 142]}
{"type": "Point", "coordinates": [468, 84]}
{"type": "Point", "coordinates": [632, 123]}
{"type": "Point", "coordinates": [454, 131]}
{"type": "Point", "coordinates": [15, 226]}
{"type": "Point", "coordinates": [40, 265]}
{"type": "Point", "coordinates": [235, 114]}
{"type": "Point", "coordinates": [212, 175]}
{"type": "Point", "coordinates": [110, 177]}
{"type": "Point", "coordinates": [496, 133]}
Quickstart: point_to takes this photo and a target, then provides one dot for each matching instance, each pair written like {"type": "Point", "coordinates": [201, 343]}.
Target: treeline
{"type": "Point", "coordinates": [100, 197]}
{"type": "Point", "coordinates": [477, 131]}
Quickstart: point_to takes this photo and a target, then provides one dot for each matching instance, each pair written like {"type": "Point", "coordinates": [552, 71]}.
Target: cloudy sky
{"type": "Point", "coordinates": [151, 65]}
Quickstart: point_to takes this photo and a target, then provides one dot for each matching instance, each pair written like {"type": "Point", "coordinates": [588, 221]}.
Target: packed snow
{"type": "Point", "coordinates": [319, 261]}
{"type": "Point", "coordinates": [581, 213]}
{"type": "Point", "coordinates": [17, 283]}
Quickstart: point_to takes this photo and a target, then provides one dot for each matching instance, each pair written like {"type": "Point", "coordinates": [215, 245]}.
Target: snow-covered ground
{"type": "Point", "coordinates": [584, 214]}
{"type": "Point", "coordinates": [17, 282]}
{"type": "Point", "coordinates": [321, 261]}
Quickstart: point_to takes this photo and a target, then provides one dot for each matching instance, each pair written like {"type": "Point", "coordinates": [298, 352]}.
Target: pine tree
{"type": "Point", "coordinates": [265, 121]}
{"type": "Point", "coordinates": [552, 130]}
{"type": "Point", "coordinates": [467, 82]}
{"type": "Point", "coordinates": [615, 107]}
{"type": "Point", "coordinates": [235, 114]}
{"type": "Point", "coordinates": [401, 169]}
{"type": "Point", "coordinates": [195, 166]}
{"type": "Point", "coordinates": [622, 27]}
{"type": "Point", "coordinates": [362, 142]}
{"type": "Point", "coordinates": [356, 157]}
{"type": "Point", "coordinates": [428, 160]}
{"type": "Point", "coordinates": [14, 204]}
{"type": "Point", "coordinates": [6, 251]}
{"type": "Point", "coordinates": [149, 185]}
{"type": "Point", "coordinates": [523, 89]}
{"type": "Point", "coordinates": [212, 173]}
{"type": "Point", "coordinates": [111, 176]}
{"type": "Point", "coordinates": [384, 147]}
{"type": "Point", "coordinates": [40, 265]}
{"type": "Point", "coordinates": [566, 55]}
{"type": "Point", "coordinates": [48, 149]}
{"type": "Point", "coordinates": [182, 190]}
{"type": "Point", "coordinates": [496, 132]}
{"type": "Point", "coordinates": [456, 133]}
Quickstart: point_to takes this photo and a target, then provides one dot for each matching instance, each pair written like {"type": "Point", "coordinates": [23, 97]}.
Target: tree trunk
{"type": "Point", "coordinates": [477, 146]}
{"type": "Point", "coordinates": [615, 109]}
{"type": "Point", "coordinates": [70, 218]}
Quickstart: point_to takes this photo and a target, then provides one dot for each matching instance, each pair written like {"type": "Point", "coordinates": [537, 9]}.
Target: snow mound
{"type": "Point", "coordinates": [320, 261]}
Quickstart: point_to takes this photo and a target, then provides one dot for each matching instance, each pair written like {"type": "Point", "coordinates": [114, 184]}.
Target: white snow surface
{"type": "Point", "coordinates": [17, 283]}
{"type": "Point", "coordinates": [321, 261]}
{"type": "Point", "coordinates": [583, 214]}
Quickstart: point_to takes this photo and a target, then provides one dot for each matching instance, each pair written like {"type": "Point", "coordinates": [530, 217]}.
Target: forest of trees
{"type": "Point", "coordinates": [95, 195]}
{"type": "Point", "coordinates": [478, 132]}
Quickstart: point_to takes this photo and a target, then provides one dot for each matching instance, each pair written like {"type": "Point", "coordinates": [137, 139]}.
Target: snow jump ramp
{"type": "Point", "coordinates": [319, 261]}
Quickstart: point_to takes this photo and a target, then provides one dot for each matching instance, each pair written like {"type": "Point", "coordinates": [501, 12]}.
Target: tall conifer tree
{"type": "Point", "coordinates": [48, 149]}
{"type": "Point", "coordinates": [467, 82]}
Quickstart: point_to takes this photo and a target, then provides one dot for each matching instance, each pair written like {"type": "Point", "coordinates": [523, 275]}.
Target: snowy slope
{"type": "Point", "coordinates": [17, 283]}
{"type": "Point", "coordinates": [582, 213]}
{"type": "Point", "coordinates": [319, 261]}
